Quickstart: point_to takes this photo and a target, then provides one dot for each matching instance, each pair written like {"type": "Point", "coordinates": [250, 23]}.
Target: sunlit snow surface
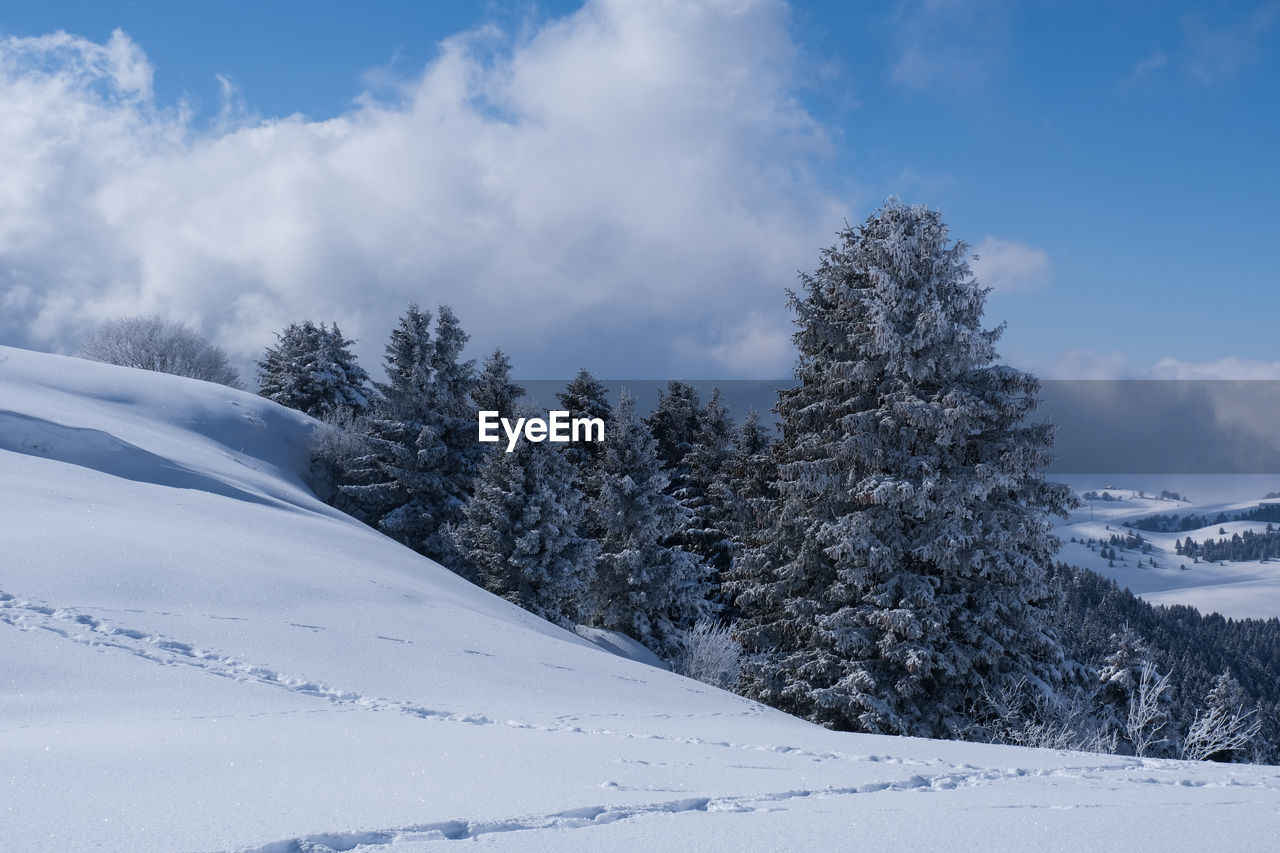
{"type": "Point", "coordinates": [195, 654]}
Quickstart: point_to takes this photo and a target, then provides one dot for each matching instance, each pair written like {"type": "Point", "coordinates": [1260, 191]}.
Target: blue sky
{"type": "Point", "coordinates": [1116, 163]}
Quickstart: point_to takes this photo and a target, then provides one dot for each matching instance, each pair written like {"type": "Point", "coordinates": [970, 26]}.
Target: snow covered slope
{"type": "Point", "coordinates": [1241, 590]}
{"type": "Point", "coordinates": [195, 654]}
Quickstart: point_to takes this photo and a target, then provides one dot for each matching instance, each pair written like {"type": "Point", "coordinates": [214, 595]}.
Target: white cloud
{"type": "Point", "coordinates": [1219, 51]}
{"type": "Point", "coordinates": [1008, 266]}
{"type": "Point", "coordinates": [1084, 363]}
{"type": "Point", "coordinates": [759, 345]}
{"type": "Point", "coordinates": [601, 191]}
{"type": "Point", "coordinates": [1223, 368]}
{"type": "Point", "coordinates": [1148, 66]}
{"type": "Point", "coordinates": [954, 44]}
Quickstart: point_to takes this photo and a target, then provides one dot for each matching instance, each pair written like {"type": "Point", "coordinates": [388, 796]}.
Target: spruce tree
{"type": "Point", "coordinates": [707, 529]}
{"type": "Point", "coordinates": [494, 391]}
{"type": "Point", "coordinates": [741, 496]}
{"type": "Point", "coordinates": [586, 397]}
{"type": "Point", "coordinates": [389, 486]}
{"type": "Point", "coordinates": [675, 423]}
{"type": "Point", "coordinates": [311, 369]}
{"type": "Point", "coordinates": [448, 450]}
{"type": "Point", "coordinates": [642, 587]}
{"type": "Point", "coordinates": [903, 569]}
{"type": "Point", "coordinates": [748, 478]}
{"type": "Point", "coordinates": [519, 536]}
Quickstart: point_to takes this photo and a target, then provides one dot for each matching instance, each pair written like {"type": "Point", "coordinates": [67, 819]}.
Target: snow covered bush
{"type": "Point", "coordinates": [335, 446]}
{"type": "Point", "coordinates": [1020, 715]}
{"type": "Point", "coordinates": [709, 653]}
{"type": "Point", "coordinates": [1224, 728]}
{"type": "Point", "coordinates": [153, 343]}
{"type": "Point", "coordinates": [1147, 717]}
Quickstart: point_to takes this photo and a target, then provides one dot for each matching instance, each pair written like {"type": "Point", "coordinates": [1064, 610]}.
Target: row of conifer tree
{"type": "Point", "coordinates": [883, 562]}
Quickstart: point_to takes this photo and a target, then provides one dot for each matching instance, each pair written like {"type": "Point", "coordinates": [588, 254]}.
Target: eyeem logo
{"type": "Point", "coordinates": [557, 427]}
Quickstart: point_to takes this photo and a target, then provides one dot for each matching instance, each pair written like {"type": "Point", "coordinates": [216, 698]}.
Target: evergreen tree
{"type": "Point", "coordinates": [904, 567]}
{"type": "Point", "coordinates": [675, 423]}
{"type": "Point", "coordinates": [422, 456]}
{"type": "Point", "coordinates": [449, 450]}
{"type": "Point", "coordinates": [312, 369]}
{"type": "Point", "coordinates": [586, 397]}
{"type": "Point", "coordinates": [389, 486]}
{"type": "Point", "coordinates": [1224, 730]}
{"type": "Point", "coordinates": [642, 587]}
{"type": "Point", "coordinates": [743, 494]}
{"type": "Point", "coordinates": [519, 536]}
{"type": "Point", "coordinates": [494, 391]}
{"type": "Point", "coordinates": [707, 529]}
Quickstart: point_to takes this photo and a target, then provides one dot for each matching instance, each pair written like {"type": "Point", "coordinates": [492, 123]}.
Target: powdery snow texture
{"type": "Point", "coordinates": [196, 654]}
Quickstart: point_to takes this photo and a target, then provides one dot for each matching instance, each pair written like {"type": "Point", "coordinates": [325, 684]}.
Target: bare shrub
{"type": "Point", "coordinates": [709, 653]}
{"type": "Point", "coordinates": [1019, 715]}
{"type": "Point", "coordinates": [153, 343]}
{"type": "Point", "coordinates": [335, 445]}
{"type": "Point", "coordinates": [1146, 716]}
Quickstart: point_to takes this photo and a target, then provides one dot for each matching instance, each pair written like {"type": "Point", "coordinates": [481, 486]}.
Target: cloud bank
{"type": "Point", "coordinates": [1007, 266]}
{"type": "Point", "coordinates": [630, 187]}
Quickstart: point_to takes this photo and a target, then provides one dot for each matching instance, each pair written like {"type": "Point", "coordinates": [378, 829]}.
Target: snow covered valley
{"type": "Point", "coordinates": [1245, 589]}
{"type": "Point", "coordinates": [197, 654]}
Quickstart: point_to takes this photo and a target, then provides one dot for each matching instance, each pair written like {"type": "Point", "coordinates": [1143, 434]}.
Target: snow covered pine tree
{"type": "Point", "coordinates": [642, 587]}
{"type": "Point", "coordinates": [387, 486]}
{"type": "Point", "coordinates": [311, 369]}
{"type": "Point", "coordinates": [903, 569]}
{"type": "Point", "coordinates": [422, 454]}
{"type": "Point", "coordinates": [494, 391]}
{"type": "Point", "coordinates": [519, 537]}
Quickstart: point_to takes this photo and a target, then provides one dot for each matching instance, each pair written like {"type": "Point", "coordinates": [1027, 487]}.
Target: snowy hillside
{"type": "Point", "coordinates": [196, 654]}
{"type": "Point", "coordinates": [1241, 590]}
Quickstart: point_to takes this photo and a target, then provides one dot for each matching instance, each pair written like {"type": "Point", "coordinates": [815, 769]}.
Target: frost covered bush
{"type": "Point", "coordinates": [710, 654]}
{"type": "Point", "coordinates": [153, 343]}
{"type": "Point", "coordinates": [1019, 715]}
{"type": "Point", "coordinates": [335, 445]}
{"type": "Point", "coordinates": [1223, 728]}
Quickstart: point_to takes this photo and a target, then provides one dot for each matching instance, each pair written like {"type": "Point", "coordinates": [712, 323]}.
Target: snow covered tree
{"type": "Point", "coordinates": [675, 423]}
{"type": "Point", "coordinates": [153, 343]}
{"type": "Point", "coordinates": [450, 450]}
{"type": "Point", "coordinates": [586, 397]}
{"type": "Point", "coordinates": [422, 454]}
{"type": "Point", "coordinates": [494, 391]}
{"type": "Point", "coordinates": [707, 531]}
{"type": "Point", "coordinates": [1147, 713]}
{"type": "Point", "coordinates": [389, 486]}
{"type": "Point", "coordinates": [748, 476]}
{"type": "Point", "coordinates": [1120, 678]}
{"type": "Point", "coordinates": [903, 570]}
{"type": "Point", "coordinates": [519, 536]}
{"type": "Point", "coordinates": [1223, 729]}
{"type": "Point", "coordinates": [642, 587]}
{"type": "Point", "coordinates": [311, 369]}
